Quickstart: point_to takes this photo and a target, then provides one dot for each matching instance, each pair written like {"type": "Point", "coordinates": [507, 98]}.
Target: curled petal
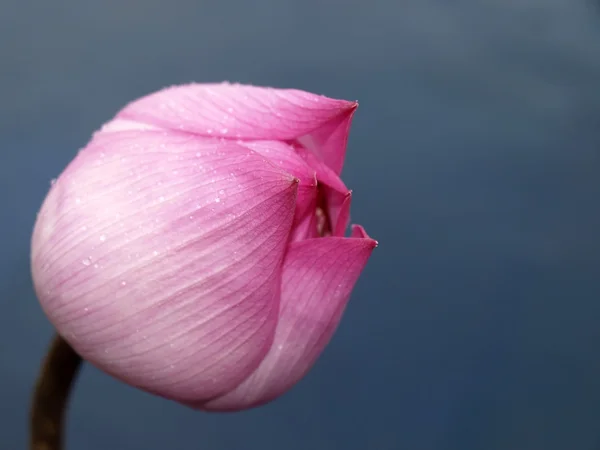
{"type": "Point", "coordinates": [237, 111]}
{"type": "Point", "coordinates": [158, 256]}
{"type": "Point", "coordinates": [318, 277]}
{"type": "Point", "coordinates": [325, 175]}
{"type": "Point", "coordinates": [336, 195]}
{"type": "Point", "coordinates": [329, 141]}
{"type": "Point", "coordinates": [338, 204]}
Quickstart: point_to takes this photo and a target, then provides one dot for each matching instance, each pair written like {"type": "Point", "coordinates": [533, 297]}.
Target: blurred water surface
{"type": "Point", "coordinates": [474, 160]}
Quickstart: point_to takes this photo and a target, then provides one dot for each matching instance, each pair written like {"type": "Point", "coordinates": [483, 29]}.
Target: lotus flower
{"type": "Point", "coordinates": [196, 248]}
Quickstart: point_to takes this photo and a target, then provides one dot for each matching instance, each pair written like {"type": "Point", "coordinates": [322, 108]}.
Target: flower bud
{"type": "Point", "coordinates": [196, 248]}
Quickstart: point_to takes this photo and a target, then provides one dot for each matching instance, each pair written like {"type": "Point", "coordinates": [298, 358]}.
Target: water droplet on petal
{"type": "Point", "coordinates": [86, 261]}
{"type": "Point", "coordinates": [102, 238]}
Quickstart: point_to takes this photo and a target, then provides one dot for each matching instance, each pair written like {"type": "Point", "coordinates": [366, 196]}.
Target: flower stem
{"type": "Point", "coordinates": [51, 396]}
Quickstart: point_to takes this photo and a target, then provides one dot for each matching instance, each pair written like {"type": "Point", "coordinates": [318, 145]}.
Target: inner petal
{"type": "Point", "coordinates": [333, 198]}
{"type": "Point", "coordinates": [333, 211]}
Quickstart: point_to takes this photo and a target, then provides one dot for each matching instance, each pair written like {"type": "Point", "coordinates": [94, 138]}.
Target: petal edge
{"type": "Point", "coordinates": [318, 278]}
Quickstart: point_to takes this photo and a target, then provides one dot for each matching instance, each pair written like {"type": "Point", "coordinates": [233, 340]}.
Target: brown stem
{"type": "Point", "coordinates": [51, 396]}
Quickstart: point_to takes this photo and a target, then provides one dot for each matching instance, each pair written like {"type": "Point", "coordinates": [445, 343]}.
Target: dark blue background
{"type": "Point", "coordinates": [474, 160]}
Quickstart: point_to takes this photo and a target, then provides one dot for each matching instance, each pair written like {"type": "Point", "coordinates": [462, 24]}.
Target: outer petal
{"type": "Point", "coordinates": [250, 112]}
{"type": "Point", "coordinates": [158, 257]}
{"type": "Point", "coordinates": [318, 277]}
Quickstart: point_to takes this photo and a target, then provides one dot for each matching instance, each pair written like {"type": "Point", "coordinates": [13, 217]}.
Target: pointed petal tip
{"type": "Point", "coordinates": [358, 232]}
{"type": "Point", "coordinates": [347, 107]}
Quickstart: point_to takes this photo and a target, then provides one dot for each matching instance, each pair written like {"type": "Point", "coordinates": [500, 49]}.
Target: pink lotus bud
{"type": "Point", "coordinates": [196, 248]}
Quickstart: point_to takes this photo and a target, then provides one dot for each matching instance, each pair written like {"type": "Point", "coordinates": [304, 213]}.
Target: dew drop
{"type": "Point", "coordinates": [52, 181]}
{"type": "Point", "coordinates": [123, 283]}
{"type": "Point", "coordinates": [86, 261]}
{"type": "Point", "coordinates": [224, 130]}
{"type": "Point", "coordinates": [102, 238]}
{"type": "Point", "coordinates": [209, 130]}
{"type": "Point", "coordinates": [217, 200]}
{"type": "Point", "coordinates": [161, 199]}
{"type": "Point", "coordinates": [222, 191]}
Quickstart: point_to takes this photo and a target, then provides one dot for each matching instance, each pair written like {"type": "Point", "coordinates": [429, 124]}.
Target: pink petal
{"type": "Point", "coordinates": [305, 220]}
{"type": "Point", "coordinates": [339, 210]}
{"type": "Point", "coordinates": [337, 196]}
{"type": "Point", "coordinates": [329, 141]}
{"type": "Point", "coordinates": [284, 156]}
{"type": "Point", "coordinates": [250, 112]}
{"type": "Point", "coordinates": [318, 278]}
{"type": "Point", "coordinates": [325, 174]}
{"type": "Point", "coordinates": [157, 255]}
